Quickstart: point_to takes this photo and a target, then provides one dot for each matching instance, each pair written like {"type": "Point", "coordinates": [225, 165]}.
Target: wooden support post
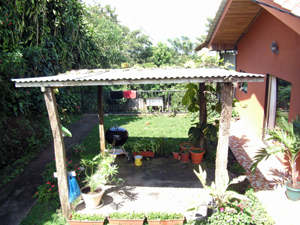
{"type": "Point", "coordinates": [101, 119]}
{"type": "Point", "coordinates": [202, 112]}
{"type": "Point", "coordinates": [59, 150]}
{"type": "Point", "coordinates": [224, 133]}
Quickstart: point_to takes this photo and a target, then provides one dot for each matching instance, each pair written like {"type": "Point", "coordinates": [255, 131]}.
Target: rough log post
{"type": "Point", "coordinates": [59, 150]}
{"type": "Point", "coordinates": [202, 112]}
{"type": "Point", "coordinates": [101, 118]}
{"type": "Point", "coordinates": [224, 133]}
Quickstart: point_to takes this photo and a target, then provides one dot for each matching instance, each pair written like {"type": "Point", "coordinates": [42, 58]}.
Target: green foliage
{"type": "Point", "coordinates": [218, 191]}
{"type": "Point", "coordinates": [87, 217]}
{"type": "Point", "coordinates": [183, 45]}
{"type": "Point", "coordinates": [163, 216]}
{"type": "Point", "coordinates": [288, 144]}
{"type": "Point", "coordinates": [239, 212]}
{"type": "Point", "coordinates": [127, 215]}
{"type": "Point", "coordinates": [236, 168]}
{"type": "Point", "coordinates": [49, 190]}
{"type": "Point", "coordinates": [21, 141]}
{"type": "Point", "coordinates": [161, 55]}
{"type": "Point", "coordinates": [146, 144]}
{"type": "Point", "coordinates": [38, 214]}
{"type": "Point", "coordinates": [78, 150]}
{"type": "Point", "coordinates": [197, 151]}
{"type": "Point", "coordinates": [101, 170]}
{"type": "Point", "coordinates": [38, 38]}
{"type": "Point", "coordinates": [171, 145]}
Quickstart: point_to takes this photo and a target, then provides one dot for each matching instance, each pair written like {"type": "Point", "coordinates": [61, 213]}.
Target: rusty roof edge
{"type": "Point", "coordinates": [213, 26]}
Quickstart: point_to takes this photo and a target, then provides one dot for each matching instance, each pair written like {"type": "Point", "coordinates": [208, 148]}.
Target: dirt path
{"type": "Point", "coordinates": [16, 197]}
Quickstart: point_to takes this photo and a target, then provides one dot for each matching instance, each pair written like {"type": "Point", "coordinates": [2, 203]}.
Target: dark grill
{"type": "Point", "coordinates": [116, 136]}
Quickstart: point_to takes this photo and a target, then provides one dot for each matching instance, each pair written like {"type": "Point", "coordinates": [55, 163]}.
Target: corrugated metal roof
{"type": "Point", "coordinates": [134, 76]}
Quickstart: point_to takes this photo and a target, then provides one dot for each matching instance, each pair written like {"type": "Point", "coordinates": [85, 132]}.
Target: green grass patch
{"type": "Point", "coordinates": [171, 129]}
{"type": "Point", "coordinates": [159, 126]}
{"type": "Point", "coordinates": [45, 213]}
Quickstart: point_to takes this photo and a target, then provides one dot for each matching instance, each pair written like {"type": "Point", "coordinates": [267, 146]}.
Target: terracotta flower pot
{"type": "Point", "coordinates": [196, 157]}
{"type": "Point", "coordinates": [92, 200]}
{"type": "Point", "coordinates": [185, 146]}
{"type": "Point", "coordinates": [144, 153]}
{"type": "Point", "coordinates": [185, 157]}
{"type": "Point", "coordinates": [175, 155]}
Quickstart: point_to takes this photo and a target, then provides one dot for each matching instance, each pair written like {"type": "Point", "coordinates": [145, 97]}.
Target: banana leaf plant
{"type": "Point", "coordinates": [288, 143]}
{"type": "Point", "coordinates": [213, 108]}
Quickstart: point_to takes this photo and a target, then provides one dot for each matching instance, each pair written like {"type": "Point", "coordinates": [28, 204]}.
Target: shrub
{"type": "Point", "coordinates": [238, 212]}
{"type": "Point", "coordinates": [78, 150]}
{"type": "Point", "coordinates": [49, 190]}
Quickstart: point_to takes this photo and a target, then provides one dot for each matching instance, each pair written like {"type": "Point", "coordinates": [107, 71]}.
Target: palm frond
{"type": "Point", "coordinates": [261, 154]}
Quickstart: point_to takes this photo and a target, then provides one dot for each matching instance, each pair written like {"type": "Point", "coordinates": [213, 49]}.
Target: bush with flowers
{"type": "Point", "coordinates": [49, 189]}
{"type": "Point", "coordinates": [78, 150]}
{"type": "Point", "coordinates": [240, 212]}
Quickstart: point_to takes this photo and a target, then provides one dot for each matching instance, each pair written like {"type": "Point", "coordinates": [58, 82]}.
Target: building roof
{"type": "Point", "coordinates": [292, 5]}
{"type": "Point", "coordinates": [235, 17]}
{"type": "Point", "coordinates": [134, 76]}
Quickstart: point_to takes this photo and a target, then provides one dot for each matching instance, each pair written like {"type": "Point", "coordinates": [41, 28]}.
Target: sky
{"type": "Point", "coordinates": [164, 19]}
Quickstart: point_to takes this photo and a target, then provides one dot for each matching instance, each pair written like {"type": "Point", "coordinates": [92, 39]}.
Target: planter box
{"type": "Point", "coordinates": [76, 222]}
{"type": "Point", "coordinates": [144, 154]}
{"type": "Point", "coordinates": [166, 222]}
{"type": "Point", "coordinates": [125, 222]}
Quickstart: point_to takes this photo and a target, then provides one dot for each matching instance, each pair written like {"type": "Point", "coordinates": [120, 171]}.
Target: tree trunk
{"type": "Point", "coordinates": [224, 133]}
{"type": "Point", "coordinates": [202, 112]}
{"type": "Point", "coordinates": [101, 119]}
{"type": "Point", "coordinates": [60, 153]}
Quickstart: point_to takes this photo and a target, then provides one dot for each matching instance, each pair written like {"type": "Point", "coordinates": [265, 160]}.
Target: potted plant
{"type": "Point", "coordinates": [196, 155]}
{"type": "Point", "coordinates": [89, 219]}
{"type": "Point", "coordinates": [287, 142]}
{"type": "Point", "coordinates": [126, 218]}
{"type": "Point", "coordinates": [102, 171]}
{"type": "Point", "coordinates": [185, 146]}
{"type": "Point", "coordinates": [185, 155]}
{"type": "Point", "coordinates": [146, 147]}
{"type": "Point", "coordinates": [164, 218]}
{"type": "Point", "coordinates": [175, 153]}
{"type": "Point", "coordinates": [214, 197]}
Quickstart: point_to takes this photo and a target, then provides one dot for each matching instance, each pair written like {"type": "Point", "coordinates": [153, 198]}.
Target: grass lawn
{"type": "Point", "coordinates": [159, 127]}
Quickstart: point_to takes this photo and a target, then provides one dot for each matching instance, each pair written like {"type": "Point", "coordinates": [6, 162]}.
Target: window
{"type": "Point", "coordinates": [243, 86]}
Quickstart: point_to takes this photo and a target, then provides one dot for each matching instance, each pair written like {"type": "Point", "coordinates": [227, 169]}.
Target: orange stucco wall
{"type": "Point", "coordinates": [255, 56]}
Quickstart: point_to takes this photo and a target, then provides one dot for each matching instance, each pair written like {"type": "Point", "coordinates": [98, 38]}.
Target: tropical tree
{"type": "Point", "coordinates": [137, 47]}
{"type": "Point", "coordinates": [161, 54]}
{"type": "Point", "coordinates": [183, 45]}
